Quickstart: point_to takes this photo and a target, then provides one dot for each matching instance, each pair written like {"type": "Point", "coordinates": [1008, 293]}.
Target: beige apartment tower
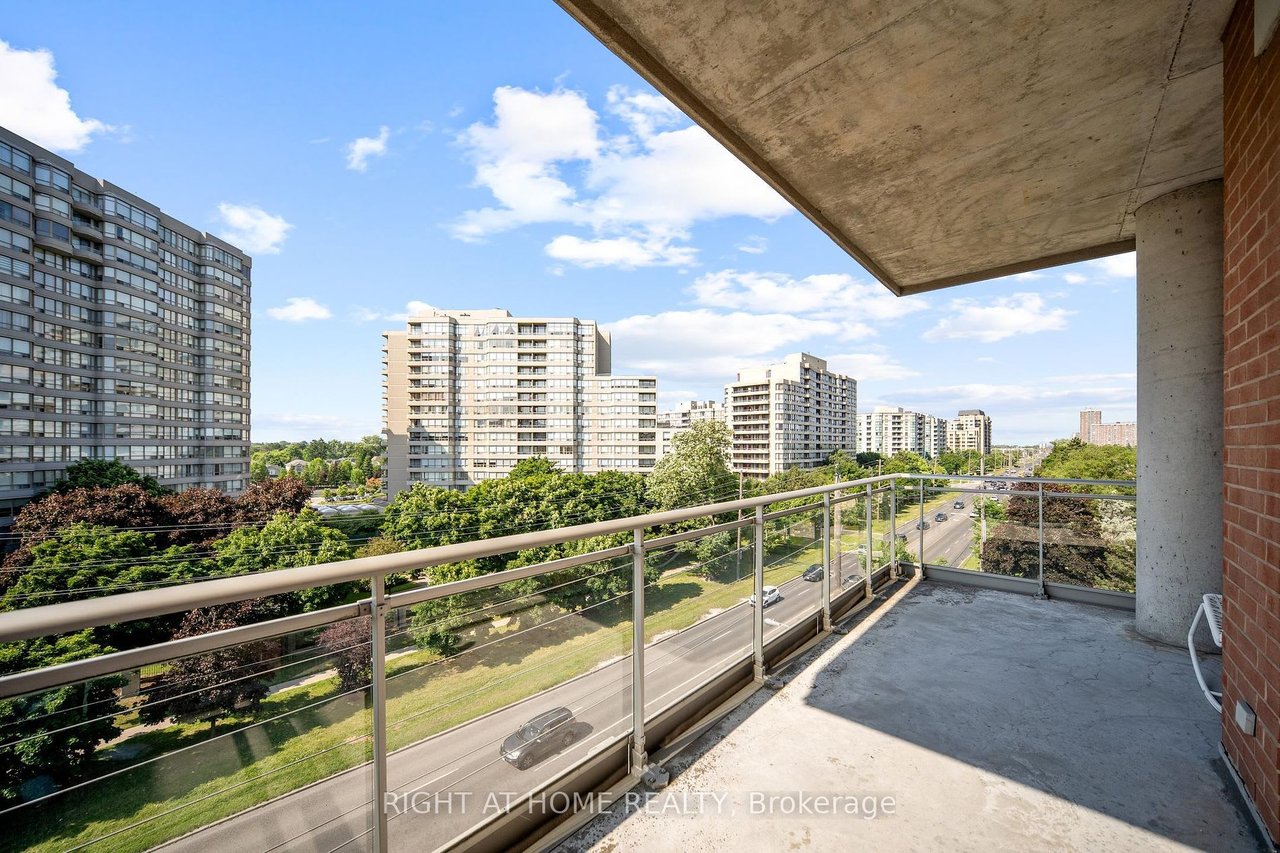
{"type": "Point", "coordinates": [970, 430]}
{"type": "Point", "coordinates": [683, 416]}
{"type": "Point", "coordinates": [889, 430]}
{"type": "Point", "coordinates": [790, 415]}
{"type": "Point", "coordinates": [1094, 431]}
{"type": "Point", "coordinates": [468, 394]}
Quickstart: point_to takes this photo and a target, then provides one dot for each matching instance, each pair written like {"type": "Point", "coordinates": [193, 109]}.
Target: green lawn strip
{"type": "Point", "coordinates": [424, 698]}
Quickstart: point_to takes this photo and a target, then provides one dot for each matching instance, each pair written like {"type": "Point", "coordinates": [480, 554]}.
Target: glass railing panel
{"type": "Point", "coordinates": [493, 693]}
{"type": "Point", "coordinates": [882, 544]}
{"type": "Point", "coordinates": [201, 749]}
{"type": "Point", "coordinates": [1090, 543]}
{"type": "Point", "coordinates": [849, 553]}
{"type": "Point", "coordinates": [698, 619]}
{"type": "Point", "coordinates": [793, 567]}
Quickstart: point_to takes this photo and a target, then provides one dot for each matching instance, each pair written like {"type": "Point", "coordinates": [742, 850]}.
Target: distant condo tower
{"type": "Point", "coordinates": [468, 394]}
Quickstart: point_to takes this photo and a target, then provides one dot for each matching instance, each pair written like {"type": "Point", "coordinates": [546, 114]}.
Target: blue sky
{"type": "Point", "coordinates": [495, 155]}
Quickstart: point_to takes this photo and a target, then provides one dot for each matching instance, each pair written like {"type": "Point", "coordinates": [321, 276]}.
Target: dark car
{"type": "Point", "coordinates": [813, 573]}
{"type": "Point", "coordinates": [922, 525]}
{"type": "Point", "coordinates": [547, 733]}
{"type": "Point", "coordinates": [942, 516]}
{"type": "Point", "coordinates": [958, 505]}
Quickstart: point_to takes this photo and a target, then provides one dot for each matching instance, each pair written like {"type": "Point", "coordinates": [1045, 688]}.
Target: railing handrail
{"type": "Point", "coordinates": [68, 616]}
{"type": "Point", "coordinates": [65, 617]}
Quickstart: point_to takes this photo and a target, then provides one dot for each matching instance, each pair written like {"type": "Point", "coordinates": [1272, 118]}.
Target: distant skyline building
{"type": "Point", "coordinates": [1094, 431]}
{"type": "Point", "coordinates": [125, 334]}
{"type": "Point", "coordinates": [793, 414]}
{"type": "Point", "coordinates": [970, 430]}
{"type": "Point", "coordinates": [684, 416]}
{"type": "Point", "coordinates": [468, 394]}
{"type": "Point", "coordinates": [892, 429]}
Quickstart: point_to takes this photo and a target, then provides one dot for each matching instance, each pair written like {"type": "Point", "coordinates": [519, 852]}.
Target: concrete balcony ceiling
{"type": "Point", "coordinates": [945, 141]}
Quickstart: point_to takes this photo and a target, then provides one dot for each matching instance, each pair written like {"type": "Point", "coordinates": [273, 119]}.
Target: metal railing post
{"type": "Point", "coordinates": [639, 756]}
{"type": "Point", "coordinates": [378, 699]}
{"type": "Point", "coordinates": [870, 541]}
{"type": "Point", "coordinates": [1040, 573]}
{"type": "Point", "coordinates": [826, 562]}
{"type": "Point", "coordinates": [837, 536]}
{"type": "Point", "coordinates": [757, 616]}
{"type": "Point", "coordinates": [893, 527]}
{"type": "Point", "coordinates": [922, 525]}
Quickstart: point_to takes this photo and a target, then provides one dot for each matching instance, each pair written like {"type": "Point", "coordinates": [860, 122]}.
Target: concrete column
{"type": "Point", "coordinates": [1179, 238]}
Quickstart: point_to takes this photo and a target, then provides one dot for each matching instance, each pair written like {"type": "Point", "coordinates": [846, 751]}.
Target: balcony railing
{"type": "Point", "coordinates": [460, 711]}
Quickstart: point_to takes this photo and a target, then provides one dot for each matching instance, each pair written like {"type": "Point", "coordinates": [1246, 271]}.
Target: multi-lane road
{"type": "Point", "coordinates": [456, 779]}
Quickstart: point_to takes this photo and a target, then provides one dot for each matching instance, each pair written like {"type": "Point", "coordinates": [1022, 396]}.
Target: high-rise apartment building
{"type": "Point", "coordinates": [124, 334]}
{"type": "Point", "coordinates": [790, 415]}
{"type": "Point", "coordinates": [892, 429]}
{"type": "Point", "coordinates": [684, 416]}
{"type": "Point", "coordinates": [969, 430]}
{"type": "Point", "coordinates": [1088, 417]}
{"type": "Point", "coordinates": [1094, 431]}
{"type": "Point", "coordinates": [468, 394]}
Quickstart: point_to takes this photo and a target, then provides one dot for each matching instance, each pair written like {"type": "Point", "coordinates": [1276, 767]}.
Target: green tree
{"type": "Point", "coordinates": [348, 645]}
{"type": "Point", "coordinates": [55, 732]}
{"type": "Point", "coordinates": [85, 561]}
{"type": "Point", "coordinates": [100, 474]}
{"type": "Point", "coordinates": [288, 542]}
{"type": "Point", "coordinates": [696, 470]}
{"type": "Point", "coordinates": [1074, 460]}
{"type": "Point", "coordinates": [220, 684]}
{"type": "Point", "coordinates": [533, 467]}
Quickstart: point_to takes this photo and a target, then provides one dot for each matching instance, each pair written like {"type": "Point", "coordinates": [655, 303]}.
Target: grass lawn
{"type": "Point", "coordinates": [307, 733]}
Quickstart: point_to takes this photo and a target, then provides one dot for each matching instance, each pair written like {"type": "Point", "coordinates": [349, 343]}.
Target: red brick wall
{"type": "Point", "coordinates": [1251, 329]}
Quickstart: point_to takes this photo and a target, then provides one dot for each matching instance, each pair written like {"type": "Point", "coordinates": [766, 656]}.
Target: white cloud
{"type": "Point", "coordinates": [1074, 278]}
{"type": "Point", "coordinates": [363, 148]}
{"type": "Point", "coordinates": [1032, 409]}
{"type": "Point", "coordinates": [644, 112]}
{"type": "Point", "coordinates": [546, 158]}
{"type": "Point", "coordinates": [33, 105]}
{"type": "Point", "coordinates": [704, 344]}
{"type": "Point", "coordinates": [874, 364]}
{"type": "Point", "coordinates": [412, 308]}
{"type": "Point", "coordinates": [1119, 266]}
{"type": "Point", "coordinates": [830, 295]}
{"type": "Point", "coordinates": [1099, 387]}
{"type": "Point", "coordinates": [252, 228]}
{"type": "Point", "coordinates": [754, 245]}
{"type": "Point", "coordinates": [1005, 317]}
{"type": "Point", "coordinates": [299, 309]}
{"type": "Point", "coordinates": [621, 252]}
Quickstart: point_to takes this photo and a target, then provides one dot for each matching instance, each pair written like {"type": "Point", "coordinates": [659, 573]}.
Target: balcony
{"type": "Point", "coordinates": [1050, 726]}
{"type": "Point", "coordinates": [647, 641]}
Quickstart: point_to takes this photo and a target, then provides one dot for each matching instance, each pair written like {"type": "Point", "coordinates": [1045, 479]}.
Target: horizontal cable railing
{"type": "Point", "coordinates": [834, 544]}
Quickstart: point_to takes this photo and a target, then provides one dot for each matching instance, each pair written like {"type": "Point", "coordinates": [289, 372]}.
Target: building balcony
{"type": "Point", "coordinates": [984, 678]}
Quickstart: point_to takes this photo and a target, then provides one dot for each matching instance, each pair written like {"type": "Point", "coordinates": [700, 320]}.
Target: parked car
{"type": "Point", "coordinates": [942, 516]}
{"type": "Point", "coordinates": [813, 573]}
{"type": "Point", "coordinates": [771, 596]}
{"type": "Point", "coordinates": [547, 733]}
{"type": "Point", "coordinates": [958, 505]}
{"type": "Point", "coordinates": [922, 525]}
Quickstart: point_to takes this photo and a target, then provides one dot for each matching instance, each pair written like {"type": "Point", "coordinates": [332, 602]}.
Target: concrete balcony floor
{"type": "Point", "coordinates": [993, 720]}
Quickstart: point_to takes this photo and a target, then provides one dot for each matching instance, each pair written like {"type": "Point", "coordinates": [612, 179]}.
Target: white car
{"type": "Point", "coordinates": [771, 596]}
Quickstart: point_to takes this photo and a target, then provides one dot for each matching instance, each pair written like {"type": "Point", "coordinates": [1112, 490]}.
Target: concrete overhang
{"type": "Point", "coordinates": [945, 141]}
